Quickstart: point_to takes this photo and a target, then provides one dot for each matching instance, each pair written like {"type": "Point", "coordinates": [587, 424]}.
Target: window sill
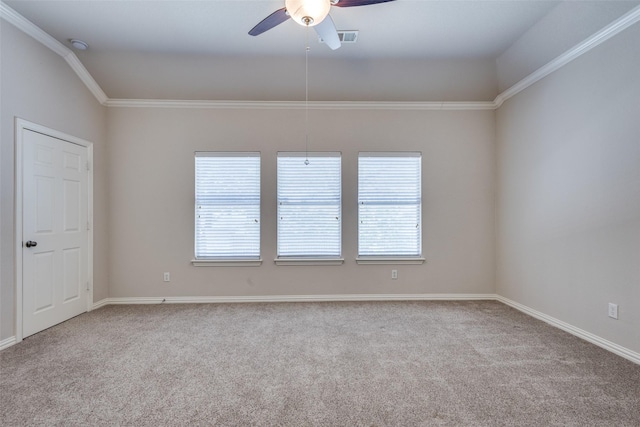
{"type": "Point", "coordinates": [390, 260]}
{"type": "Point", "coordinates": [226, 262]}
{"type": "Point", "coordinates": [309, 261]}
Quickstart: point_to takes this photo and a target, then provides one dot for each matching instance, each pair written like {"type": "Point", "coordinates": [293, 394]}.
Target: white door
{"type": "Point", "coordinates": [55, 270]}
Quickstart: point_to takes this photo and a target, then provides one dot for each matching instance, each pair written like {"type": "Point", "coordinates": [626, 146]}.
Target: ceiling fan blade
{"type": "Point", "coordinates": [276, 18]}
{"type": "Point", "coordinates": [327, 32]}
{"type": "Point", "coordinates": [350, 3]}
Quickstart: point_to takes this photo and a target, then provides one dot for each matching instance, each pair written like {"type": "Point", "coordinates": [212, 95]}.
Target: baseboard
{"type": "Point", "coordinates": [295, 298]}
{"type": "Point", "coordinates": [7, 342]}
{"type": "Point", "coordinates": [101, 303]}
{"type": "Point", "coordinates": [580, 333]}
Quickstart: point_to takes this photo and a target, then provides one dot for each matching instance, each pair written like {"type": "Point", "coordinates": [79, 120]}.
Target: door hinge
{"type": "Point", "coordinates": [88, 226]}
{"type": "Point", "coordinates": [88, 166]}
{"type": "Point", "coordinates": [87, 285]}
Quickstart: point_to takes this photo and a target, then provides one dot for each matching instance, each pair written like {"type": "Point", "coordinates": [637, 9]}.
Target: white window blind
{"type": "Point", "coordinates": [227, 206]}
{"type": "Point", "coordinates": [389, 204]}
{"type": "Point", "coordinates": [309, 205]}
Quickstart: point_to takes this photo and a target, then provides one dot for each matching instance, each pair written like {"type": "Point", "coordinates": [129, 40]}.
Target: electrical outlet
{"type": "Point", "coordinates": [167, 277]}
{"type": "Point", "coordinates": [394, 274]}
{"type": "Point", "coordinates": [613, 310]}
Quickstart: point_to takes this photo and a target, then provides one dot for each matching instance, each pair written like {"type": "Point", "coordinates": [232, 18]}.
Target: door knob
{"type": "Point", "coordinates": [31, 244]}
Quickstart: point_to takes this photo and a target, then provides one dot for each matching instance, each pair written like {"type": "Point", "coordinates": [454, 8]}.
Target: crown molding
{"type": "Point", "coordinates": [294, 105]}
{"type": "Point", "coordinates": [29, 28]}
{"type": "Point", "coordinates": [614, 28]}
{"type": "Point", "coordinates": [86, 78]}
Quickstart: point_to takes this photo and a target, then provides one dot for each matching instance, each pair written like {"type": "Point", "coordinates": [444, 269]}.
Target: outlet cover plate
{"type": "Point", "coordinates": [613, 310]}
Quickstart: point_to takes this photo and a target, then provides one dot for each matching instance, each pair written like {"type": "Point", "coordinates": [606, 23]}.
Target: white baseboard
{"type": "Point", "coordinates": [294, 298]}
{"type": "Point", "coordinates": [580, 333]}
{"type": "Point", "coordinates": [7, 342]}
{"type": "Point", "coordinates": [101, 303]}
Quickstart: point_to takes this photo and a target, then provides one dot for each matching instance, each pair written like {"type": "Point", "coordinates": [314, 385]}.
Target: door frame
{"type": "Point", "coordinates": [20, 126]}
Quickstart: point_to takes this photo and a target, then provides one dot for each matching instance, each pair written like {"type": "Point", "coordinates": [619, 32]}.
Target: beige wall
{"type": "Point", "coordinates": [39, 86]}
{"type": "Point", "coordinates": [569, 192]}
{"type": "Point", "coordinates": [151, 204]}
{"type": "Point", "coordinates": [142, 76]}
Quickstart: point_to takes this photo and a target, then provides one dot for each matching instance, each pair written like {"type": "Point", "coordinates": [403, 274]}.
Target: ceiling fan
{"type": "Point", "coordinates": [311, 13]}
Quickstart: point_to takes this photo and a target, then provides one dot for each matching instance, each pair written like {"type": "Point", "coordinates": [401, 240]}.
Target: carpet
{"type": "Point", "coordinates": [467, 363]}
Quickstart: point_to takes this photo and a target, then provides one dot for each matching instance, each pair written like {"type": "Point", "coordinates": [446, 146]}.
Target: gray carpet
{"type": "Point", "coordinates": [298, 364]}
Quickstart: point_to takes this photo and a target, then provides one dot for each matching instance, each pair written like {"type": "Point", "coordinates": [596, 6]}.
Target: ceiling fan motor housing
{"type": "Point", "coordinates": [308, 12]}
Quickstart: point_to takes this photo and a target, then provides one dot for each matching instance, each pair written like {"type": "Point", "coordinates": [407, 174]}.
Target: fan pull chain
{"type": "Point", "coordinates": [306, 96]}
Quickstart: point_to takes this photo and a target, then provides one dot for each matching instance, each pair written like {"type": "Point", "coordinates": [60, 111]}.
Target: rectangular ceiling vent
{"type": "Point", "coordinates": [350, 36]}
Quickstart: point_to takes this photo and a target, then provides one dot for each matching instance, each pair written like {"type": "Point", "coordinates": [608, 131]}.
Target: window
{"type": "Point", "coordinates": [309, 207]}
{"type": "Point", "coordinates": [389, 207]}
{"type": "Point", "coordinates": [227, 207]}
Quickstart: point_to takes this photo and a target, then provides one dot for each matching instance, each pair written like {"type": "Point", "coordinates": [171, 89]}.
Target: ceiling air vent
{"type": "Point", "coordinates": [350, 36]}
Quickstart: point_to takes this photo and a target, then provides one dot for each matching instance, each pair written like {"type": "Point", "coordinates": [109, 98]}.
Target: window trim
{"type": "Point", "coordinates": [308, 261]}
{"type": "Point", "coordinates": [232, 262]}
{"type": "Point", "coordinates": [370, 260]}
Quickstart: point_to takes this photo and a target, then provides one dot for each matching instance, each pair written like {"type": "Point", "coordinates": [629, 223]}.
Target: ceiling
{"type": "Point", "coordinates": [404, 28]}
{"type": "Point", "coordinates": [128, 39]}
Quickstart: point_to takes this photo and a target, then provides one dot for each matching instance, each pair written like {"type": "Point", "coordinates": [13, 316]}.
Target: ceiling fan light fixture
{"type": "Point", "coordinates": [308, 12]}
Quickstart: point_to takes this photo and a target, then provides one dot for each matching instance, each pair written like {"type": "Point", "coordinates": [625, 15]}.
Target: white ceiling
{"type": "Point", "coordinates": [205, 31]}
{"type": "Point", "coordinates": [404, 28]}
